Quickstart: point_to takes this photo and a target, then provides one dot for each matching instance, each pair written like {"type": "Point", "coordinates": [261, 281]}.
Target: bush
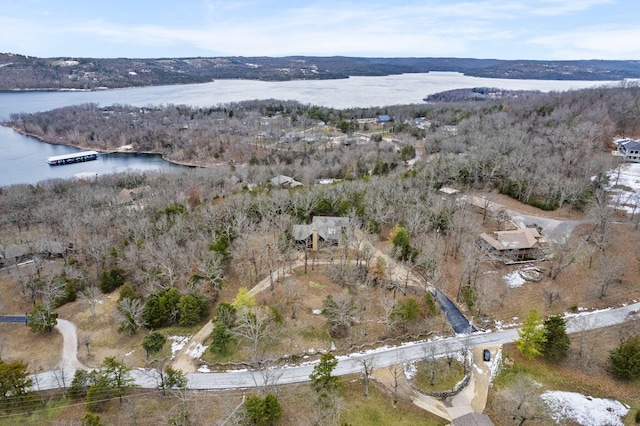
{"type": "Point", "coordinates": [192, 309]}
{"type": "Point", "coordinates": [111, 280]}
{"type": "Point", "coordinates": [161, 308]}
{"type": "Point", "coordinates": [42, 319]}
{"type": "Point", "coordinates": [128, 292]}
{"type": "Point", "coordinates": [153, 342]}
{"type": "Point", "coordinates": [625, 360]}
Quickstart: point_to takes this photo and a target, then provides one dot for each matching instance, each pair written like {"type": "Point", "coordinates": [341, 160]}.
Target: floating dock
{"type": "Point", "coordinates": [76, 157]}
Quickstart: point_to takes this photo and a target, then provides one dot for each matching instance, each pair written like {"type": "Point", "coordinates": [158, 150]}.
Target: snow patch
{"type": "Point", "coordinates": [624, 183]}
{"type": "Point", "coordinates": [178, 342]}
{"type": "Point", "coordinates": [130, 353]}
{"type": "Point", "coordinates": [317, 311]}
{"type": "Point", "coordinates": [198, 351]}
{"type": "Point", "coordinates": [514, 279]}
{"type": "Point", "coordinates": [495, 366]}
{"type": "Point", "coordinates": [584, 410]}
{"type": "Point", "coordinates": [204, 369]}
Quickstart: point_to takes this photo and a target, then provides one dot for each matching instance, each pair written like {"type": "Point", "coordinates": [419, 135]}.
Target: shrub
{"type": "Point", "coordinates": [111, 280]}
{"type": "Point", "coordinates": [625, 360]}
{"type": "Point", "coordinates": [42, 319]}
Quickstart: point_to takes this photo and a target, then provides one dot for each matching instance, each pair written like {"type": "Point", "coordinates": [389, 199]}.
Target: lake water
{"type": "Point", "coordinates": [27, 155]}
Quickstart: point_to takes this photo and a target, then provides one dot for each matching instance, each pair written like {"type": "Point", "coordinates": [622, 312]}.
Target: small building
{"type": "Point", "coordinates": [129, 196]}
{"type": "Point", "coordinates": [384, 119]}
{"type": "Point", "coordinates": [322, 229]}
{"type": "Point", "coordinates": [43, 248]}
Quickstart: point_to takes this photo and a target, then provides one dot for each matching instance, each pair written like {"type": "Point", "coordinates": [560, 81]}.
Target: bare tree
{"type": "Point", "coordinates": [520, 401]}
{"type": "Point", "coordinates": [608, 272]}
{"type": "Point", "coordinates": [601, 211]}
{"type": "Point", "coordinates": [293, 294]}
{"type": "Point", "coordinates": [254, 326]}
{"type": "Point", "coordinates": [368, 365]}
{"type": "Point", "coordinates": [91, 294]}
{"type": "Point", "coordinates": [561, 255]}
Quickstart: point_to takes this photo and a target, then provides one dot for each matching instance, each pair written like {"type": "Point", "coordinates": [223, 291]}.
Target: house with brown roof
{"type": "Point", "coordinates": [516, 245]}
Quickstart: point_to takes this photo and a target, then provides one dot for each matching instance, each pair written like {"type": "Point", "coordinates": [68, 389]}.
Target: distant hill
{"type": "Point", "coordinates": [18, 72]}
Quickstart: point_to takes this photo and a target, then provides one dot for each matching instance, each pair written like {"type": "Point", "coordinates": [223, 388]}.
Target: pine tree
{"type": "Point", "coordinates": [625, 360]}
{"type": "Point", "coordinates": [322, 381]}
{"type": "Point", "coordinates": [532, 335]}
{"type": "Point", "coordinates": [555, 348]}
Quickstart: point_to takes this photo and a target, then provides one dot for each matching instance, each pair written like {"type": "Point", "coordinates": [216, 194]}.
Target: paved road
{"type": "Point", "coordinates": [458, 322]}
{"type": "Point", "coordinates": [13, 318]}
{"type": "Point", "coordinates": [350, 364]}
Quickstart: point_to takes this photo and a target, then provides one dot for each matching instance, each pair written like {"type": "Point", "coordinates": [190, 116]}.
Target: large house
{"type": "Point", "coordinates": [322, 229]}
{"type": "Point", "coordinates": [285, 182]}
{"type": "Point", "coordinates": [629, 149]}
{"type": "Point", "coordinates": [517, 245]}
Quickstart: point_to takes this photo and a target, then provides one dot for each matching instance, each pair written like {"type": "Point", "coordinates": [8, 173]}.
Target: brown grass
{"type": "Point", "coordinates": [586, 373]}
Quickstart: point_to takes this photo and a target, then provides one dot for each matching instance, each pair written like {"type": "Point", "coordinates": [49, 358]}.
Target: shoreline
{"type": "Point", "coordinates": [62, 142]}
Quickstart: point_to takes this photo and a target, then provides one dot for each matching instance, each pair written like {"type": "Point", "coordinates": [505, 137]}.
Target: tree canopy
{"type": "Point", "coordinates": [555, 346]}
{"type": "Point", "coordinates": [625, 360]}
{"type": "Point", "coordinates": [531, 335]}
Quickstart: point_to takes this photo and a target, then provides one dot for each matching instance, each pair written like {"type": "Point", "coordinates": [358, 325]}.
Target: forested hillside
{"type": "Point", "coordinates": [19, 72]}
{"type": "Point", "coordinates": [539, 148]}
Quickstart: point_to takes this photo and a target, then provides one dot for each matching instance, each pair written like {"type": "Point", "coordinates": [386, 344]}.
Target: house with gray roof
{"type": "Point", "coordinates": [629, 149]}
{"type": "Point", "coordinates": [322, 229]}
{"type": "Point", "coordinates": [285, 182]}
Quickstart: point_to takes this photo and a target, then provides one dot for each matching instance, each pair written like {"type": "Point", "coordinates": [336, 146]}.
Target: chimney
{"type": "Point", "coordinates": [314, 240]}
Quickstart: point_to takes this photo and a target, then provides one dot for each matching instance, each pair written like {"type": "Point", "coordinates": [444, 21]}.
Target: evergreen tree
{"type": "Point", "coordinates": [322, 380]}
{"type": "Point", "coordinates": [625, 360]}
{"type": "Point", "coordinates": [171, 379]}
{"type": "Point", "coordinates": [556, 343]}
{"type": "Point", "coordinates": [111, 279]}
{"type": "Point", "coordinates": [531, 335]}
{"type": "Point", "coordinates": [42, 319]}
{"type": "Point", "coordinates": [91, 420]}
{"type": "Point", "coordinates": [14, 384]}
{"type": "Point", "coordinates": [161, 309]}
{"type": "Point", "coordinates": [263, 412]}
{"type": "Point", "coordinates": [192, 309]}
{"type": "Point", "coordinates": [221, 337]}
{"type": "Point", "coordinates": [153, 342]}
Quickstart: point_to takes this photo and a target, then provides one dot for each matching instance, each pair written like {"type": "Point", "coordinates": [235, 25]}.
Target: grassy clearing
{"type": "Point", "coordinates": [446, 375]}
{"type": "Point", "coordinates": [40, 416]}
{"type": "Point", "coordinates": [378, 408]}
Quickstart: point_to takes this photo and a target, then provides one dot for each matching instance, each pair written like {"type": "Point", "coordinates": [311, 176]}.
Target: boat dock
{"type": "Point", "coordinates": [76, 157]}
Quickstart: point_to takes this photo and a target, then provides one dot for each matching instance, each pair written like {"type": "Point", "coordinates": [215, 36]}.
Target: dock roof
{"type": "Point", "coordinates": [72, 155]}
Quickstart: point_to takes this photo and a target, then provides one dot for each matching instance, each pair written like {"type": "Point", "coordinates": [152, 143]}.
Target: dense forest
{"type": "Point", "coordinates": [539, 148]}
{"type": "Point", "coordinates": [179, 245]}
{"type": "Point", "coordinates": [19, 72]}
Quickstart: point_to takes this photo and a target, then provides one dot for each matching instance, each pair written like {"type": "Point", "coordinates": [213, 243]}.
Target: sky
{"type": "Point", "coordinates": [496, 29]}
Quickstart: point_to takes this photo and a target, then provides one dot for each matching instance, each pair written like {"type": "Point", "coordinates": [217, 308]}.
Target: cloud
{"type": "Point", "coordinates": [564, 7]}
{"type": "Point", "coordinates": [486, 28]}
{"type": "Point", "coordinates": [602, 42]}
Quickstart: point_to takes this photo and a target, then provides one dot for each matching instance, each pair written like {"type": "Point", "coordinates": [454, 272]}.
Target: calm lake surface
{"type": "Point", "coordinates": [24, 157]}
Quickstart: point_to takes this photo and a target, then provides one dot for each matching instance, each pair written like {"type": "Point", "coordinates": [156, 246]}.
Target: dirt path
{"type": "Point", "coordinates": [70, 344]}
{"type": "Point", "coordinates": [185, 360]}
